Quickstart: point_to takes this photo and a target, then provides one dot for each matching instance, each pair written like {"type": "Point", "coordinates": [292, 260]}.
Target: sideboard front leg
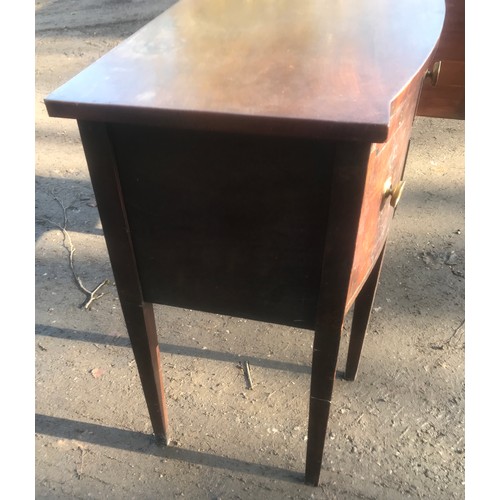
{"type": "Point", "coordinates": [324, 365]}
{"type": "Point", "coordinates": [349, 164]}
{"type": "Point", "coordinates": [138, 314]}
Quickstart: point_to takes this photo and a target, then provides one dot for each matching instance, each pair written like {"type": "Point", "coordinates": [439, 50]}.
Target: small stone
{"type": "Point", "coordinates": [97, 372]}
{"type": "Point", "coordinates": [451, 258]}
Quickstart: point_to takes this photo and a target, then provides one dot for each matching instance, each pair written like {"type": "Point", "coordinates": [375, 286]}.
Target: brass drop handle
{"type": "Point", "coordinates": [394, 193]}
{"type": "Point", "coordinates": [434, 73]}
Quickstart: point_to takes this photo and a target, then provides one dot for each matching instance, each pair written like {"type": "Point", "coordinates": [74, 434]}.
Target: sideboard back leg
{"type": "Point", "coordinates": [361, 317]}
{"type": "Point", "coordinates": [138, 314]}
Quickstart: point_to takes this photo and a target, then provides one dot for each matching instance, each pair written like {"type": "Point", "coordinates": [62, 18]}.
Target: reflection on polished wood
{"type": "Point", "coordinates": [316, 68]}
{"type": "Point", "coordinates": [240, 153]}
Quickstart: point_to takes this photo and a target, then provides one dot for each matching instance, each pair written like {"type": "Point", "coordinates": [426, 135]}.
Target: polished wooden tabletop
{"type": "Point", "coordinates": [315, 68]}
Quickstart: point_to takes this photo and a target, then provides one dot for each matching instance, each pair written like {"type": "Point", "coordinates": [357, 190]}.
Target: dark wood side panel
{"type": "Point", "coordinates": [447, 98]}
{"type": "Point", "coordinates": [227, 224]}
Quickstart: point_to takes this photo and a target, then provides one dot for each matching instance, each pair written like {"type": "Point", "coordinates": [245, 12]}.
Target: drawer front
{"type": "Point", "coordinates": [447, 98]}
{"type": "Point", "coordinates": [385, 170]}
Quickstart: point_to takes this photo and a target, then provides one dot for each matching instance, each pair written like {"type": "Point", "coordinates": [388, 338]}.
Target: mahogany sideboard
{"type": "Point", "coordinates": [247, 158]}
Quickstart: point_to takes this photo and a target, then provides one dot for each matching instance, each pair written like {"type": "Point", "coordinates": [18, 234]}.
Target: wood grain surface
{"type": "Point", "coordinates": [294, 68]}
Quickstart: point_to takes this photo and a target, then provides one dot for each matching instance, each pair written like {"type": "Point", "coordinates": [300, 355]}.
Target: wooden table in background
{"type": "Point", "coordinates": [246, 158]}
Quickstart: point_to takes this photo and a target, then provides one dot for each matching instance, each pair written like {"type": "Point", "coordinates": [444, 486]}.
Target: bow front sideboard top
{"type": "Point", "coordinates": [247, 157]}
{"type": "Point", "coordinates": [317, 68]}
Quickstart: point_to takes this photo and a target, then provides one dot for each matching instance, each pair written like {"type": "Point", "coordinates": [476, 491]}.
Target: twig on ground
{"type": "Point", "coordinates": [404, 432]}
{"type": "Point", "coordinates": [92, 295]}
{"type": "Point", "coordinates": [248, 375]}
{"type": "Point", "coordinates": [79, 470]}
{"type": "Point", "coordinates": [457, 329]}
{"type": "Point", "coordinates": [359, 418]}
{"type": "Point", "coordinates": [446, 342]}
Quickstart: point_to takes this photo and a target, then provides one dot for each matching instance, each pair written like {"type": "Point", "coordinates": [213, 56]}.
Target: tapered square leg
{"type": "Point", "coordinates": [141, 329]}
{"type": "Point", "coordinates": [138, 314]}
{"type": "Point", "coordinates": [361, 317]}
{"type": "Point", "coordinates": [325, 354]}
{"type": "Point", "coordinates": [324, 366]}
{"type": "Point", "coordinates": [340, 244]}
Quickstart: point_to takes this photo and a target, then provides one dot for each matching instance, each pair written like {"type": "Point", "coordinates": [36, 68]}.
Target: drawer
{"type": "Point", "coordinates": [385, 170]}
{"type": "Point", "coordinates": [447, 98]}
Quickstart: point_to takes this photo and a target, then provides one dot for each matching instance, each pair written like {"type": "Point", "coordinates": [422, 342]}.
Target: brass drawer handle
{"type": "Point", "coordinates": [395, 193]}
{"type": "Point", "coordinates": [434, 73]}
